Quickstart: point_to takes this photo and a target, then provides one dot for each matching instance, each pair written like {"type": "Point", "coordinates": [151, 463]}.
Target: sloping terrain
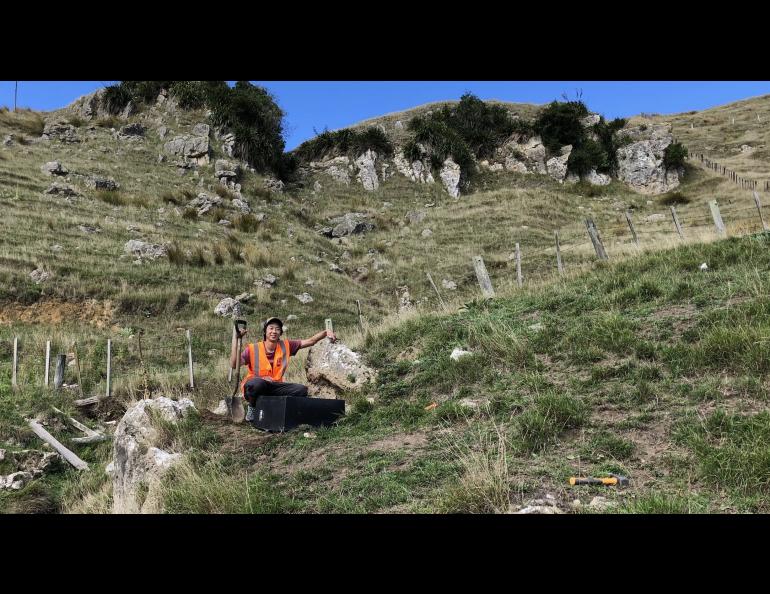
{"type": "Point", "coordinates": [647, 367]}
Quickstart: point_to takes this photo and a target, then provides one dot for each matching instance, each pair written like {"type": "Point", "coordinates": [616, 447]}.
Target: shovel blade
{"type": "Point", "coordinates": [237, 413]}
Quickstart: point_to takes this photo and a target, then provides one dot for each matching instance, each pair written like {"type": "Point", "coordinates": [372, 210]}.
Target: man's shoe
{"type": "Point", "coordinates": [250, 412]}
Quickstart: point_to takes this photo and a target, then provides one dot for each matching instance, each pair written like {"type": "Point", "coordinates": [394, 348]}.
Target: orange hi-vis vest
{"type": "Point", "coordinates": [274, 371]}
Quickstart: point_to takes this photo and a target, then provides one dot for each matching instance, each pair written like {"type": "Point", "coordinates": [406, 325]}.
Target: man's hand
{"type": "Point", "coordinates": [243, 333]}
{"type": "Point", "coordinates": [331, 336]}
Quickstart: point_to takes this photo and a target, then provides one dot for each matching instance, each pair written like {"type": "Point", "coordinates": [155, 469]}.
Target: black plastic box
{"type": "Point", "coordinates": [282, 413]}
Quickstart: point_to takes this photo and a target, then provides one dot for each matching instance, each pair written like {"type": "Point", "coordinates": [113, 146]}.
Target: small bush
{"type": "Point", "coordinates": [674, 199]}
{"type": "Point", "coordinates": [190, 214]}
{"type": "Point", "coordinates": [175, 254]}
{"type": "Point", "coordinates": [75, 120]}
{"type": "Point", "coordinates": [109, 122]}
{"type": "Point", "coordinates": [344, 142]}
{"type": "Point", "coordinates": [173, 198]}
{"type": "Point", "coordinates": [674, 156]}
{"type": "Point", "coordinates": [111, 197]}
{"type": "Point", "coordinates": [246, 222]}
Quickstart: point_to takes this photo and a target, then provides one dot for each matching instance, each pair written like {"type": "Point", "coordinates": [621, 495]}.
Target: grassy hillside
{"type": "Point", "coordinates": [647, 366]}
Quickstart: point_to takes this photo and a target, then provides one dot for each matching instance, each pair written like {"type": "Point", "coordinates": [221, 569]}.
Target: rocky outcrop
{"type": "Point", "coordinates": [523, 155]}
{"type": "Point", "coordinates": [416, 171]}
{"type": "Point", "coordinates": [557, 166]}
{"type": "Point", "coordinates": [640, 163]}
{"type": "Point", "coordinates": [597, 179]}
{"type": "Point", "coordinates": [204, 202]}
{"type": "Point", "coordinates": [338, 168]}
{"type": "Point", "coordinates": [332, 369]}
{"type": "Point", "coordinates": [193, 149]}
{"type": "Point", "coordinates": [61, 131]}
{"type": "Point", "coordinates": [138, 463]}
{"type": "Point", "coordinates": [143, 250]}
{"type": "Point", "coordinates": [450, 178]}
{"type": "Point", "coordinates": [228, 170]}
{"type": "Point", "coordinates": [89, 106]}
{"type": "Point", "coordinates": [367, 173]}
{"type": "Point", "coordinates": [274, 185]}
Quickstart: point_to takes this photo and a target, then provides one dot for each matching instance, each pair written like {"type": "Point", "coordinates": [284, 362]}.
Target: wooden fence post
{"type": "Point", "coordinates": [631, 226]}
{"type": "Point", "coordinates": [360, 316]}
{"type": "Point", "coordinates": [593, 233]}
{"type": "Point", "coordinates": [435, 288]}
{"type": "Point", "coordinates": [47, 360]}
{"type": "Point", "coordinates": [759, 210]}
{"type": "Point", "coordinates": [717, 218]}
{"type": "Point", "coordinates": [676, 223]}
{"type": "Point", "coordinates": [58, 378]}
{"type": "Point", "coordinates": [190, 359]}
{"type": "Point", "coordinates": [519, 280]}
{"type": "Point", "coordinates": [558, 254]}
{"type": "Point", "coordinates": [15, 369]}
{"type": "Point", "coordinates": [233, 347]}
{"type": "Point", "coordinates": [329, 325]}
{"type": "Point", "coordinates": [77, 367]}
{"type": "Point", "coordinates": [481, 274]}
{"type": "Point", "coordinates": [109, 368]}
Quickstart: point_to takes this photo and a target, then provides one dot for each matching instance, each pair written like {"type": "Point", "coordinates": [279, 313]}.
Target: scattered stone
{"type": "Point", "coordinates": [228, 308]}
{"type": "Point", "coordinates": [61, 190]}
{"type": "Point", "coordinates": [350, 224]}
{"type": "Point", "coordinates": [131, 132]}
{"type": "Point", "coordinates": [244, 297]}
{"type": "Point", "coordinates": [54, 168]}
{"type": "Point", "coordinates": [334, 268]}
{"type": "Point", "coordinates": [426, 233]}
{"type": "Point", "coordinates": [9, 140]}
{"type": "Point", "coordinates": [143, 250]}
{"type": "Point", "coordinates": [536, 327]}
{"type": "Point", "coordinates": [61, 131]}
{"type": "Point", "coordinates": [655, 218]}
{"type": "Point", "coordinates": [600, 503]}
{"type": "Point", "coordinates": [39, 275]}
{"type": "Point", "coordinates": [227, 169]}
{"type": "Point", "coordinates": [56, 248]}
{"type": "Point", "coordinates": [304, 298]}
{"type": "Point", "coordinates": [448, 284]}
{"type": "Point", "coordinates": [274, 185]}
{"type": "Point", "coordinates": [241, 205]}
{"type": "Point", "coordinates": [89, 229]}
{"type": "Point", "coordinates": [404, 299]}
{"type": "Point", "coordinates": [162, 131]}
{"type": "Point", "coordinates": [97, 182]}
{"type": "Point", "coordinates": [266, 282]}
{"type": "Point", "coordinates": [703, 267]}
{"type": "Point", "coordinates": [458, 353]}
{"type": "Point", "coordinates": [415, 217]}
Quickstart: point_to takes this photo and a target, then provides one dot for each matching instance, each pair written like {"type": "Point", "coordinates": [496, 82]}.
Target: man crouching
{"type": "Point", "coordinates": [267, 362]}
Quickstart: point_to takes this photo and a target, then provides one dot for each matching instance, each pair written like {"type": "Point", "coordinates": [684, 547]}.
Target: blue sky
{"type": "Point", "coordinates": [336, 104]}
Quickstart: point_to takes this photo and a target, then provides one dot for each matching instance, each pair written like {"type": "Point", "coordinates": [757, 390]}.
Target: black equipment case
{"type": "Point", "coordinates": [282, 413]}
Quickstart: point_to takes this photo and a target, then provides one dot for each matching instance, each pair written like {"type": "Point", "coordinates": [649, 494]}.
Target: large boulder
{"type": "Point", "coordinates": [523, 155]}
{"type": "Point", "coordinates": [367, 174]}
{"type": "Point", "coordinates": [61, 131]}
{"type": "Point", "coordinates": [332, 368]}
{"type": "Point", "coordinates": [640, 163]}
{"type": "Point", "coordinates": [204, 202]}
{"type": "Point", "coordinates": [89, 106]}
{"type": "Point", "coordinates": [450, 177]}
{"type": "Point", "coordinates": [338, 168]}
{"type": "Point", "coordinates": [61, 190]}
{"type": "Point", "coordinates": [351, 223]}
{"type": "Point", "coordinates": [137, 459]}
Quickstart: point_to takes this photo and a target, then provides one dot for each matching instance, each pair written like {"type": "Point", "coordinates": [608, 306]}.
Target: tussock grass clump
{"type": "Point", "coordinates": [247, 223]}
{"type": "Point", "coordinates": [732, 451]}
{"type": "Point", "coordinates": [674, 199]}
{"type": "Point", "coordinates": [345, 142]}
{"type": "Point", "coordinates": [551, 415]}
{"type": "Point", "coordinates": [483, 458]}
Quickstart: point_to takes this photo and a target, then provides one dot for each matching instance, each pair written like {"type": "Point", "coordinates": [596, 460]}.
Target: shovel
{"type": "Point", "coordinates": [235, 402]}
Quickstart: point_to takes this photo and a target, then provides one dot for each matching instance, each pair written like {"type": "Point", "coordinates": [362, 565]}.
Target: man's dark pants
{"type": "Point", "coordinates": [260, 387]}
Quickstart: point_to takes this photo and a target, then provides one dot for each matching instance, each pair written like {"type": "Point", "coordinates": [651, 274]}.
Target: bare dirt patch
{"type": "Point", "coordinates": [53, 312]}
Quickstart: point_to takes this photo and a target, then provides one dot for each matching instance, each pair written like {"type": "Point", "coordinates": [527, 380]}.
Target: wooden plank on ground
{"type": "Point", "coordinates": [68, 455]}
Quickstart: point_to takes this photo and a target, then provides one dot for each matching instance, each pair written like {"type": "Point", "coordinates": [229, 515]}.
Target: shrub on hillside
{"type": "Point", "coordinates": [345, 142]}
{"type": "Point", "coordinates": [560, 124]}
{"type": "Point", "coordinates": [674, 156]}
